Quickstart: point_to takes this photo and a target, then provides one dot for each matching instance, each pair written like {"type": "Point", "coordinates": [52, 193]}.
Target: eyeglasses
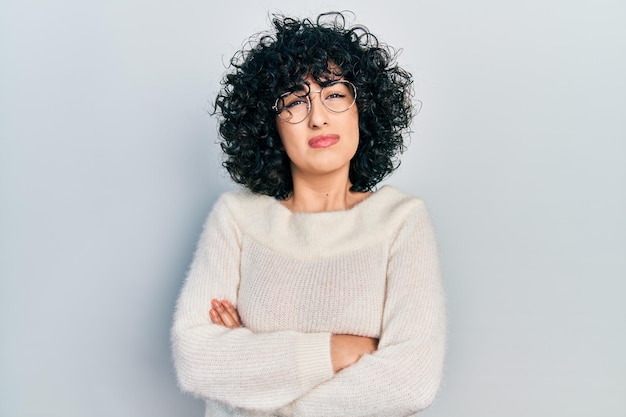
{"type": "Point", "coordinates": [295, 105]}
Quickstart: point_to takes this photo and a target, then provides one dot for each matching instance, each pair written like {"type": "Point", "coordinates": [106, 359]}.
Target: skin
{"type": "Point", "coordinates": [320, 183]}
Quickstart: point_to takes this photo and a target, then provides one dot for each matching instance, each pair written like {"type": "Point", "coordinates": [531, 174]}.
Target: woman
{"type": "Point", "coordinates": [310, 293]}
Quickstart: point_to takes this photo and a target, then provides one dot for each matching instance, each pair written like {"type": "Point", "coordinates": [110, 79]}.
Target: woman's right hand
{"type": "Point", "coordinates": [346, 349]}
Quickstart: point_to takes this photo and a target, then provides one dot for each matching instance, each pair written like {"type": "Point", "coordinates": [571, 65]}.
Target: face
{"type": "Point", "coordinates": [325, 141]}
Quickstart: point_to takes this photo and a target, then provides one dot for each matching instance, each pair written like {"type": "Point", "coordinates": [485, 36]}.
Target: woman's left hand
{"type": "Point", "coordinates": [224, 314]}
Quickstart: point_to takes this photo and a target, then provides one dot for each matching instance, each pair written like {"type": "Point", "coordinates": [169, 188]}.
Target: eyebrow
{"type": "Point", "coordinates": [295, 87]}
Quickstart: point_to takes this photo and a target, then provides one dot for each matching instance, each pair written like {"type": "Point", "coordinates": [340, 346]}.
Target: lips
{"type": "Point", "coordinates": [323, 141]}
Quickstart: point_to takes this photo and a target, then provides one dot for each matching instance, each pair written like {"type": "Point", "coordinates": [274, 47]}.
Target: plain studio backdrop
{"type": "Point", "coordinates": [109, 164]}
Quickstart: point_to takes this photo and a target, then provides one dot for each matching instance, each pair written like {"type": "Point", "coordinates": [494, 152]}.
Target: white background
{"type": "Point", "coordinates": [108, 166]}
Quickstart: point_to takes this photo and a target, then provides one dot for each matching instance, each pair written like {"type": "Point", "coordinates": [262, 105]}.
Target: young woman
{"type": "Point", "coordinates": [311, 293]}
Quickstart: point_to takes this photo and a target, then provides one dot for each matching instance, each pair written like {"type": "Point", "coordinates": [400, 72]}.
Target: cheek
{"type": "Point", "coordinates": [288, 135]}
{"type": "Point", "coordinates": [280, 129]}
{"type": "Point", "coordinates": [356, 131]}
{"type": "Point", "coordinates": [283, 134]}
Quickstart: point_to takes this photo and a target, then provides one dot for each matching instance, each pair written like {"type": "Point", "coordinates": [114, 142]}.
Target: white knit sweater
{"type": "Point", "coordinates": [295, 279]}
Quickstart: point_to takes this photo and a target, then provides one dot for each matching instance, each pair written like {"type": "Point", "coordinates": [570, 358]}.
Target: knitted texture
{"type": "Point", "coordinates": [298, 278]}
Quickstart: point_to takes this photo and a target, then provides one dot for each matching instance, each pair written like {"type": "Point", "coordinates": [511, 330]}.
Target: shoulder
{"type": "Point", "coordinates": [391, 207]}
{"type": "Point", "coordinates": [391, 198]}
{"type": "Point", "coordinates": [245, 210]}
{"type": "Point", "coordinates": [243, 203]}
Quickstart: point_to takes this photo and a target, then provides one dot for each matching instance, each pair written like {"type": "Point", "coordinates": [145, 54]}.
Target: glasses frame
{"type": "Point", "coordinates": [308, 100]}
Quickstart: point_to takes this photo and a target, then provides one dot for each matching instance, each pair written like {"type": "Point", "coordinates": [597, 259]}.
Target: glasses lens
{"type": "Point", "coordinates": [293, 106]}
{"type": "Point", "coordinates": [338, 96]}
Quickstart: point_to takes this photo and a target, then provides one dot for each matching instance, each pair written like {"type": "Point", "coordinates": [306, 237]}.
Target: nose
{"type": "Point", "coordinates": [318, 115]}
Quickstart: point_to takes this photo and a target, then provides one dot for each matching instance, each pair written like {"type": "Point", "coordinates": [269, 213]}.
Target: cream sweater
{"type": "Point", "coordinates": [295, 279]}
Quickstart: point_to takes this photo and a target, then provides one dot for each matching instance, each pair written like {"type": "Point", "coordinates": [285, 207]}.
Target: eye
{"type": "Point", "coordinates": [294, 100]}
{"type": "Point", "coordinates": [335, 95]}
{"type": "Point", "coordinates": [337, 91]}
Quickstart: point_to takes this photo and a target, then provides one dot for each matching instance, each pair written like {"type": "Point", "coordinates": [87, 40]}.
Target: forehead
{"type": "Point", "coordinates": [312, 83]}
{"type": "Point", "coordinates": [313, 76]}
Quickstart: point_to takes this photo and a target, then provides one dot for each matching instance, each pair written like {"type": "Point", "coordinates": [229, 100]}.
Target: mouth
{"type": "Point", "coordinates": [323, 141]}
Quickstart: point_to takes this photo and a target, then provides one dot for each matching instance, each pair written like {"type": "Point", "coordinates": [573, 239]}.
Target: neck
{"type": "Point", "coordinates": [322, 193]}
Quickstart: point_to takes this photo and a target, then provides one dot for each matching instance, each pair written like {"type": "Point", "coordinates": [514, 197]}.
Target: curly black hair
{"type": "Point", "coordinates": [323, 49]}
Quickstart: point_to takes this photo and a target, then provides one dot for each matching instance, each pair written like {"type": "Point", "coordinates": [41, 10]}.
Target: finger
{"type": "Point", "coordinates": [215, 317]}
{"type": "Point", "coordinates": [225, 315]}
{"type": "Point", "coordinates": [233, 313]}
{"type": "Point", "coordinates": [214, 314]}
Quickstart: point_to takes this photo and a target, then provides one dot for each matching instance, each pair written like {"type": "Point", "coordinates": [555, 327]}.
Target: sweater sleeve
{"type": "Point", "coordinates": [237, 367]}
{"type": "Point", "coordinates": [403, 376]}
